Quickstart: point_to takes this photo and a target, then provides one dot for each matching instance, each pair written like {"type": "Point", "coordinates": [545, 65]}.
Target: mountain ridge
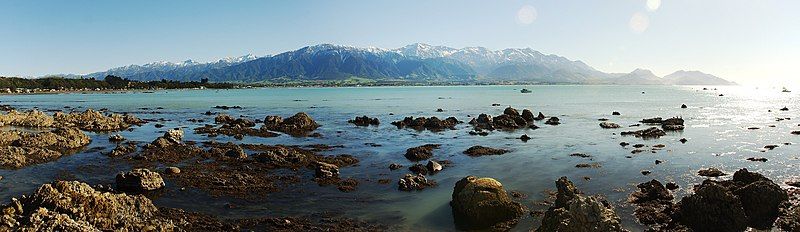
{"type": "Point", "coordinates": [418, 62]}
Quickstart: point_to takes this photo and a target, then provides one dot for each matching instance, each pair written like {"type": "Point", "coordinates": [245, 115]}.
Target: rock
{"type": "Point", "coordinates": [299, 124]}
{"type": "Point", "coordinates": [609, 125]}
{"type": "Point", "coordinates": [524, 138]}
{"type": "Point", "coordinates": [785, 109]}
{"type": "Point", "coordinates": [672, 186]}
{"type": "Point", "coordinates": [646, 172]}
{"type": "Point", "coordinates": [95, 121]}
{"type": "Point", "coordinates": [75, 206]}
{"type": "Point", "coordinates": [414, 182]}
{"type": "Point", "coordinates": [615, 113]}
{"type": "Point", "coordinates": [33, 118]}
{"type": "Point", "coordinates": [423, 123]}
{"type": "Point", "coordinates": [553, 121]}
{"type": "Point", "coordinates": [481, 151]}
{"type": "Point", "coordinates": [12, 157]}
{"type": "Point", "coordinates": [574, 212]}
{"type": "Point", "coordinates": [683, 106]}
{"type": "Point", "coordinates": [482, 203]}
{"type": "Point", "coordinates": [511, 111]}
{"type": "Point", "coordinates": [223, 119]}
{"type": "Point", "coordinates": [711, 172]}
{"type": "Point", "coordinates": [712, 208]}
{"type": "Point", "coordinates": [582, 155]}
{"type": "Point", "coordinates": [236, 152]}
{"type": "Point", "coordinates": [588, 165]}
{"type": "Point", "coordinates": [122, 149]}
{"type": "Point", "coordinates": [770, 147]}
{"type": "Point", "coordinates": [325, 170]}
{"type": "Point", "coordinates": [394, 166]}
{"type": "Point", "coordinates": [116, 138]}
{"type": "Point", "coordinates": [172, 170]}
{"type": "Point", "coordinates": [139, 180]}
{"type": "Point", "coordinates": [754, 159]}
{"type": "Point", "coordinates": [433, 166]}
{"type": "Point", "coordinates": [656, 120]}
{"type": "Point", "coordinates": [418, 169]}
{"type": "Point", "coordinates": [761, 201]}
{"type": "Point", "coordinates": [651, 191]}
{"type": "Point", "coordinates": [540, 116]}
{"type": "Point", "coordinates": [421, 153]}
{"type": "Point", "coordinates": [683, 140]}
{"type": "Point", "coordinates": [365, 121]}
{"type": "Point", "coordinates": [174, 135]}
{"type": "Point", "coordinates": [652, 132]}
{"type": "Point", "coordinates": [439, 110]}
{"type": "Point", "coordinates": [624, 144]}
{"type": "Point", "coordinates": [527, 115]}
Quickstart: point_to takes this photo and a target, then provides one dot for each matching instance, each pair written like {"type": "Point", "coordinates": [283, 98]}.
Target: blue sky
{"type": "Point", "coordinates": [742, 40]}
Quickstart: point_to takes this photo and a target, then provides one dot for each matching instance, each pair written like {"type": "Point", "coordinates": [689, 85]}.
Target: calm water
{"type": "Point", "coordinates": [716, 128]}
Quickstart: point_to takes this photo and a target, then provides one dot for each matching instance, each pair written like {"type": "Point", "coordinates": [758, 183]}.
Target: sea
{"type": "Point", "coordinates": [717, 119]}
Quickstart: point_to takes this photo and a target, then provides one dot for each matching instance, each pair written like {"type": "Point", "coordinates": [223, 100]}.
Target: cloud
{"type": "Point", "coordinates": [527, 14]}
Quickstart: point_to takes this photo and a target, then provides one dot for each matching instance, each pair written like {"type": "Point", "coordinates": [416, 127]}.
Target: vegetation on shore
{"type": "Point", "coordinates": [17, 85]}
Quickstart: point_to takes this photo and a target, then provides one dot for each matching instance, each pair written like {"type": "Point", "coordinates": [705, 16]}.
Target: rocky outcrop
{"type": "Point", "coordinates": [299, 124]}
{"type": "Point", "coordinates": [20, 149]}
{"type": "Point", "coordinates": [482, 203]}
{"type": "Point", "coordinates": [654, 204]}
{"type": "Point", "coordinates": [482, 151]}
{"type": "Point", "coordinates": [139, 180]}
{"type": "Point", "coordinates": [431, 124]}
{"type": "Point", "coordinates": [553, 121]}
{"type": "Point", "coordinates": [575, 212]}
{"type": "Point", "coordinates": [75, 206]}
{"type": "Point", "coordinates": [411, 182]}
{"type": "Point", "coordinates": [95, 121]}
{"type": "Point", "coordinates": [511, 119]}
{"type": "Point", "coordinates": [234, 127]}
{"type": "Point", "coordinates": [421, 153]}
{"type": "Point", "coordinates": [609, 125]}
{"type": "Point", "coordinates": [652, 132]}
{"type": "Point", "coordinates": [365, 121]}
{"type": "Point", "coordinates": [33, 118]}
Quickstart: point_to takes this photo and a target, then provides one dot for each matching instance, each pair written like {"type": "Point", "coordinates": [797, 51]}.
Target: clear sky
{"type": "Point", "coordinates": [748, 41]}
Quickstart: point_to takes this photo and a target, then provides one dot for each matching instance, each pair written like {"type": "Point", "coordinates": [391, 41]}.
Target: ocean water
{"type": "Point", "coordinates": [716, 129]}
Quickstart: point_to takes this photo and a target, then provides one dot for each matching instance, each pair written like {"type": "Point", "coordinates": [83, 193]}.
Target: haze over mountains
{"type": "Point", "coordinates": [414, 63]}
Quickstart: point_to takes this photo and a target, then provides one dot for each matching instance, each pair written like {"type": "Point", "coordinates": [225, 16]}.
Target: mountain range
{"type": "Point", "coordinates": [414, 63]}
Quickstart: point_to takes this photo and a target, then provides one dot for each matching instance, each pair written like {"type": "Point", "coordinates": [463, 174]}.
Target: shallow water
{"type": "Point", "coordinates": [716, 127]}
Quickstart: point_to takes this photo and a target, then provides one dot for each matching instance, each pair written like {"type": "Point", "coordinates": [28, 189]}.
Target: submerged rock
{"type": "Point", "coordinates": [139, 180]}
{"type": "Point", "coordinates": [575, 212]}
{"type": "Point", "coordinates": [482, 203]}
{"type": "Point", "coordinates": [482, 151]}
{"type": "Point", "coordinates": [553, 121]}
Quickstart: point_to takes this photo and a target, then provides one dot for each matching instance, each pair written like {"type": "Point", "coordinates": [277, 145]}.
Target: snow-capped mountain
{"type": "Point", "coordinates": [169, 70]}
{"type": "Point", "coordinates": [415, 62]}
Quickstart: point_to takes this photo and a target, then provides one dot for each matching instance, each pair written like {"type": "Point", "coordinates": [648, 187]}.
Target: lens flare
{"type": "Point", "coordinates": [639, 22]}
{"type": "Point", "coordinates": [653, 5]}
{"type": "Point", "coordinates": [526, 15]}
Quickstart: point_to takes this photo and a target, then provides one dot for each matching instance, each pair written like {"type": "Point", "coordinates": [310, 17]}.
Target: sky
{"type": "Point", "coordinates": [748, 41]}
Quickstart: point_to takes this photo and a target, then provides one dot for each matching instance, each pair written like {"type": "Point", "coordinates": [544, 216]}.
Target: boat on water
{"type": "Point", "coordinates": [785, 90]}
{"type": "Point", "coordinates": [526, 91]}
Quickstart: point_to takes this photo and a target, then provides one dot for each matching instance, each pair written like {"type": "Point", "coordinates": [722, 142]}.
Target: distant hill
{"type": "Point", "coordinates": [414, 63]}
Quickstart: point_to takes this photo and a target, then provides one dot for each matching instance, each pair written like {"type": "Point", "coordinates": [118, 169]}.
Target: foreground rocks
{"type": "Point", "coordinates": [20, 149]}
{"type": "Point", "coordinates": [431, 124]}
{"type": "Point", "coordinates": [75, 206]}
{"type": "Point", "coordinates": [575, 212]}
{"type": "Point", "coordinates": [139, 180]}
{"type": "Point", "coordinates": [747, 200]}
{"type": "Point", "coordinates": [95, 121]}
{"type": "Point", "coordinates": [482, 203]}
{"type": "Point", "coordinates": [299, 124]}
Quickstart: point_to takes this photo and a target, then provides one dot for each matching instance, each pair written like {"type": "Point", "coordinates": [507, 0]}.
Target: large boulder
{"type": "Point", "coordinates": [575, 212]}
{"type": "Point", "coordinates": [139, 180]}
{"type": "Point", "coordinates": [299, 124]}
{"type": "Point", "coordinates": [482, 151]}
{"type": "Point", "coordinates": [75, 206]}
{"type": "Point", "coordinates": [713, 208]}
{"type": "Point", "coordinates": [482, 203]}
{"type": "Point", "coordinates": [511, 111]}
{"type": "Point", "coordinates": [527, 115]}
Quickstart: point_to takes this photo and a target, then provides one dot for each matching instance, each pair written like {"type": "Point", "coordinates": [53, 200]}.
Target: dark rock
{"type": "Point", "coordinates": [524, 138]}
{"type": "Point", "coordinates": [433, 166]}
{"type": "Point", "coordinates": [299, 124]}
{"type": "Point", "coordinates": [394, 166]}
{"type": "Point", "coordinates": [411, 182]}
{"type": "Point", "coordinates": [712, 208]}
{"type": "Point", "coordinates": [421, 153]}
{"type": "Point", "coordinates": [609, 125]}
{"type": "Point", "coordinates": [511, 111]}
{"type": "Point", "coordinates": [711, 172]}
{"type": "Point", "coordinates": [615, 113]}
{"type": "Point", "coordinates": [683, 106]}
{"type": "Point", "coordinates": [527, 115]}
{"type": "Point", "coordinates": [365, 121]}
{"type": "Point", "coordinates": [481, 151]}
{"type": "Point", "coordinates": [553, 121]}
{"type": "Point", "coordinates": [575, 212]}
{"type": "Point", "coordinates": [754, 159]}
{"type": "Point", "coordinates": [652, 132]}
